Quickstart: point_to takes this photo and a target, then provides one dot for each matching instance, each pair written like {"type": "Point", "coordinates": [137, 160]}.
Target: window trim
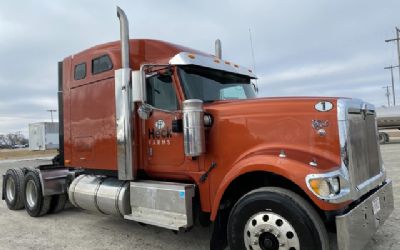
{"type": "Point", "coordinates": [108, 69]}
{"type": "Point", "coordinates": [84, 76]}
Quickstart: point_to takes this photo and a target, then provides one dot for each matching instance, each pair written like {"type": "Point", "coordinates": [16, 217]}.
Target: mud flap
{"type": "Point", "coordinates": [219, 231]}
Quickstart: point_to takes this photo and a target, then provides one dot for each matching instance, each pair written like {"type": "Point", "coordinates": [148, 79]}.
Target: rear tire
{"type": "Point", "coordinates": [14, 182]}
{"type": "Point", "coordinates": [269, 218]}
{"type": "Point", "coordinates": [35, 203]}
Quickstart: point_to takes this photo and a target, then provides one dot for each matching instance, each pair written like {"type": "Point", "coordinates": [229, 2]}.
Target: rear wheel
{"type": "Point", "coordinates": [35, 203]}
{"type": "Point", "coordinates": [274, 218]}
{"type": "Point", "coordinates": [14, 181]}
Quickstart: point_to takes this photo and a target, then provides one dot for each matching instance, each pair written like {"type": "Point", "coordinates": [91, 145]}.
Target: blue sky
{"type": "Point", "coordinates": [308, 47]}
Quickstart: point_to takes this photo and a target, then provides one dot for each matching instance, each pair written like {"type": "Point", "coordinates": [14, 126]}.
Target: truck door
{"type": "Point", "coordinates": [164, 148]}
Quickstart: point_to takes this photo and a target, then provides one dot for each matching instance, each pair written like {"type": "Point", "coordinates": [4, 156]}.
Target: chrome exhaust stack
{"type": "Point", "coordinates": [123, 106]}
{"type": "Point", "coordinates": [124, 35]}
{"type": "Point", "coordinates": [218, 49]}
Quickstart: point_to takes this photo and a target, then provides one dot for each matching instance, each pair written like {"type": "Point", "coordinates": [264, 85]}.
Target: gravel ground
{"type": "Point", "coordinates": [77, 229]}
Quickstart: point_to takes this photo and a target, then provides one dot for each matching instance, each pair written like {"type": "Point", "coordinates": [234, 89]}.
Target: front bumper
{"type": "Point", "coordinates": [357, 226]}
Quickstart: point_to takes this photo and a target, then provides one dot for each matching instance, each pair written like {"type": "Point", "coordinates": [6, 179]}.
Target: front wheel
{"type": "Point", "coordinates": [273, 218]}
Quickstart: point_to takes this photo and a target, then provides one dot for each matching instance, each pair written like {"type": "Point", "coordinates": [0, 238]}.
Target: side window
{"type": "Point", "coordinates": [80, 71]}
{"type": "Point", "coordinates": [101, 64]}
{"type": "Point", "coordinates": [161, 93]}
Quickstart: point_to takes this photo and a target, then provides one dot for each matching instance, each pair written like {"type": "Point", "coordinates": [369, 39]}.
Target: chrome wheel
{"type": "Point", "coordinates": [10, 189]}
{"type": "Point", "coordinates": [270, 231]}
{"type": "Point", "coordinates": [31, 193]}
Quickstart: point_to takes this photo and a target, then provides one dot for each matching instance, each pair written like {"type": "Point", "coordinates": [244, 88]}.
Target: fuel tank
{"type": "Point", "coordinates": [388, 117]}
{"type": "Point", "coordinates": [100, 194]}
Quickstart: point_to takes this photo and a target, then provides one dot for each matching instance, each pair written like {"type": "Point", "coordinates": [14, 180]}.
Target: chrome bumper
{"type": "Point", "coordinates": [356, 227]}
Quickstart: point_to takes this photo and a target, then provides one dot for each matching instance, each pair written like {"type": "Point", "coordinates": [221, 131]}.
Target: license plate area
{"type": "Point", "coordinates": [376, 205]}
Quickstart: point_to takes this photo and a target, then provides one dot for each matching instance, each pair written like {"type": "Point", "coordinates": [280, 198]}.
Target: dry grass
{"type": "Point", "coordinates": [9, 154]}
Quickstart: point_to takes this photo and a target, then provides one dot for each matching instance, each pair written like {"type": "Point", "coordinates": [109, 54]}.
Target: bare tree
{"type": "Point", "coordinates": [11, 139]}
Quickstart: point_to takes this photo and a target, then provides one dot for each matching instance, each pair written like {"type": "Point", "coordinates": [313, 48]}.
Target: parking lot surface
{"type": "Point", "coordinates": [77, 229]}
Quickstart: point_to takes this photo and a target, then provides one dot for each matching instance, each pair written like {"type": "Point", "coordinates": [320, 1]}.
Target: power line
{"type": "Point", "coordinates": [387, 94]}
{"type": "Point", "coordinates": [397, 40]}
{"type": "Point", "coordinates": [51, 113]}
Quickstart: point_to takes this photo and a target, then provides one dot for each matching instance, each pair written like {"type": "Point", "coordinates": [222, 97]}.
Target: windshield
{"type": "Point", "coordinates": [212, 85]}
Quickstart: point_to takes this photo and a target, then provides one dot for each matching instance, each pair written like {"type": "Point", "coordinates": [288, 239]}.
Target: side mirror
{"type": "Point", "coordinates": [145, 111]}
{"type": "Point", "coordinates": [138, 91]}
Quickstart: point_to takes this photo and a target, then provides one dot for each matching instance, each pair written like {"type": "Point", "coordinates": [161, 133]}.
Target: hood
{"type": "Point", "coordinates": [304, 127]}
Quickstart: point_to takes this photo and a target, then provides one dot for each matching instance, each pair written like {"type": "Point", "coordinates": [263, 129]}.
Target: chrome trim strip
{"type": "Point", "coordinates": [185, 58]}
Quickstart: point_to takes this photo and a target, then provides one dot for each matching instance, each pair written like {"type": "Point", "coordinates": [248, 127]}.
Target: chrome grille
{"type": "Point", "coordinates": [363, 148]}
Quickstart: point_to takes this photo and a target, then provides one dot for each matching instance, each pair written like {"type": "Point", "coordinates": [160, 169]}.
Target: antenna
{"type": "Point", "coordinates": [253, 57]}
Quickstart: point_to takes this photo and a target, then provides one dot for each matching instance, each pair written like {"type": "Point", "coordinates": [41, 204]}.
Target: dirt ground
{"type": "Point", "coordinates": [24, 153]}
{"type": "Point", "coordinates": [77, 229]}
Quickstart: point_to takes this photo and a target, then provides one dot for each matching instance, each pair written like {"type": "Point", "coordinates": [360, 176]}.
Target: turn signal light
{"type": "Point", "coordinates": [325, 187]}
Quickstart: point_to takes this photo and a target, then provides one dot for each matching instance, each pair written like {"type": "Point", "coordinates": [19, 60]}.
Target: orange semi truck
{"type": "Point", "coordinates": [169, 136]}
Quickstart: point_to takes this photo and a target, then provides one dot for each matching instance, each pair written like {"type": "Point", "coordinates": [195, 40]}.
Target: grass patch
{"type": "Point", "coordinates": [10, 154]}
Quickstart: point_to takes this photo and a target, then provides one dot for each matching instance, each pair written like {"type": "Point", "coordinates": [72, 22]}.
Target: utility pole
{"type": "Point", "coordinates": [391, 72]}
{"type": "Point", "coordinates": [387, 94]}
{"type": "Point", "coordinates": [51, 113]}
{"type": "Point", "coordinates": [397, 39]}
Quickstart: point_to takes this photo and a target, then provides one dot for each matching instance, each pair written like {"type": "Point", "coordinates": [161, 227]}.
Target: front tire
{"type": "Point", "coordinates": [271, 218]}
{"type": "Point", "coordinates": [35, 203]}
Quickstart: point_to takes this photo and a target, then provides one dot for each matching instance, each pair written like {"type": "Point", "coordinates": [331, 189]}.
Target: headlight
{"type": "Point", "coordinates": [325, 187]}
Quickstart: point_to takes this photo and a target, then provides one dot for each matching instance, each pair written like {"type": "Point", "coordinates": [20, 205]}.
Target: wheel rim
{"type": "Point", "coordinates": [31, 193]}
{"type": "Point", "coordinates": [381, 138]}
{"type": "Point", "coordinates": [10, 189]}
{"type": "Point", "coordinates": [270, 231]}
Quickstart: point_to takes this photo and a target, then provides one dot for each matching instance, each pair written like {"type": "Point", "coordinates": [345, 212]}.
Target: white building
{"type": "Point", "coordinates": [43, 135]}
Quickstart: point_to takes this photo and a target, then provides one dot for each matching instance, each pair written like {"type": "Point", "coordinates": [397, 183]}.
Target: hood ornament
{"type": "Point", "coordinates": [318, 124]}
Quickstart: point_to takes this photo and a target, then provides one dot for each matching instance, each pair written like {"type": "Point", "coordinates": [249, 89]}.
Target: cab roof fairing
{"type": "Point", "coordinates": [186, 58]}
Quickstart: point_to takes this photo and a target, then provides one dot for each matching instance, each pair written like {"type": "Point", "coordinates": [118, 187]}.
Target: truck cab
{"type": "Point", "coordinates": [170, 136]}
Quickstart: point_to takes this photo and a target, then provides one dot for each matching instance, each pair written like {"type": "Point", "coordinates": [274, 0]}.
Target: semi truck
{"type": "Point", "coordinates": [166, 135]}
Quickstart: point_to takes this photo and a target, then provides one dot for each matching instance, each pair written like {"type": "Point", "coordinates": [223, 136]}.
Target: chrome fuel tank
{"type": "Point", "coordinates": [100, 194]}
